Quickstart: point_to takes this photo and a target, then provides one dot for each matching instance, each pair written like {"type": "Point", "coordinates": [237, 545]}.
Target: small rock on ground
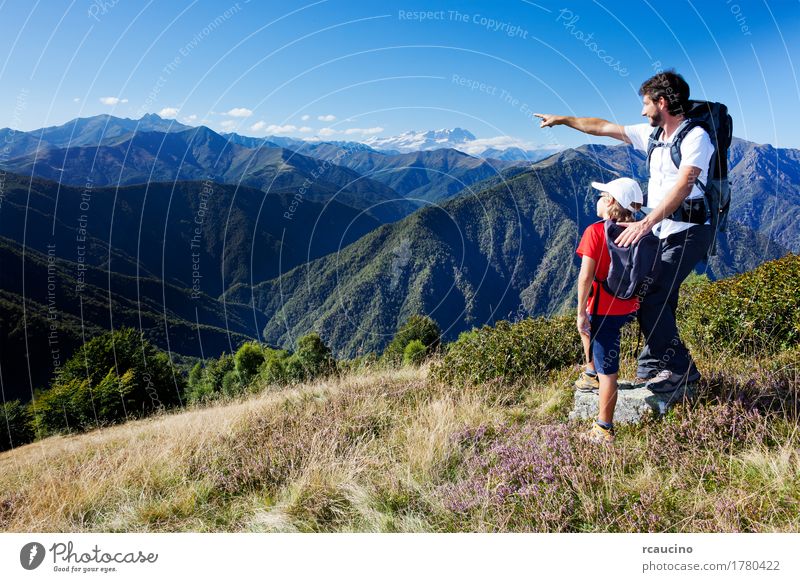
{"type": "Point", "coordinates": [634, 403]}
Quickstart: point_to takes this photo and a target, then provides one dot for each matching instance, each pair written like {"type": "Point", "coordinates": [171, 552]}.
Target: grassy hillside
{"type": "Point", "coordinates": [466, 442]}
{"type": "Point", "coordinates": [391, 451]}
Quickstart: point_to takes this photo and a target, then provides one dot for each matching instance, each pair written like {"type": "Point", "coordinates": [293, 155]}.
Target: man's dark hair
{"type": "Point", "coordinates": [672, 87]}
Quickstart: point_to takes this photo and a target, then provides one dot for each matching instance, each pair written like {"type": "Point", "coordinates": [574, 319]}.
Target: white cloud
{"type": "Point", "coordinates": [169, 112]}
{"type": "Point", "coordinates": [363, 130]}
{"type": "Point", "coordinates": [272, 129]}
{"type": "Point", "coordinates": [76, 100]}
{"type": "Point", "coordinates": [326, 117]}
{"type": "Point", "coordinates": [501, 142]}
{"type": "Point", "coordinates": [239, 112]}
{"type": "Point", "coordinates": [329, 131]}
{"type": "Point", "coordinates": [190, 118]}
{"type": "Point", "coordinates": [228, 124]}
{"type": "Point", "coordinates": [306, 117]}
{"type": "Point", "coordinates": [112, 100]}
{"type": "Point", "coordinates": [281, 129]}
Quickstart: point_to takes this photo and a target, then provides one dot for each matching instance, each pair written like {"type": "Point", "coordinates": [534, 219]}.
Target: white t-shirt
{"type": "Point", "coordinates": [696, 150]}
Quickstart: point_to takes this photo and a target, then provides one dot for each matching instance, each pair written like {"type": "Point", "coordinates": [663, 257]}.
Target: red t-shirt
{"type": "Point", "coordinates": [593, 245]}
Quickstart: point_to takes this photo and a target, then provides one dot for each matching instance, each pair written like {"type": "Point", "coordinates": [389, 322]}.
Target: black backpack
{"type": "Point", "coordinates": [714, 118]}
{"type": "Point", "coordinates": [634, 269]}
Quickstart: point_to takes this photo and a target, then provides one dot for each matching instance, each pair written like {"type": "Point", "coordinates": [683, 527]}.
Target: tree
{"type": "Point", "coordinates": [113, 377]}
{"type": "Point", "coordinates": [273, 370]}
{"type": "Point", "coordinates": [315, 357]}
{"type": "Point", "coordinates": [247, 361]}
{"type": "Point", "coordinates": [312, 359]}
{"type": "Point", "coordinates": [417, 327]}
{"type": "Point", "coordinates": [16, 425]}
{"type": "Point", "coordinates": [206, 383]}
{"type": "Point", "coordinates": [415, 353]}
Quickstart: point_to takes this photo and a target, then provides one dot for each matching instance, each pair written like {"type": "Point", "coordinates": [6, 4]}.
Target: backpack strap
{"type": "Point", "coordinates": [654, 141]}
{"type": "Point", "coordinates": [652, 144]}
{"type": "Point", "coordinates": [687, 125]}
{"type": "Point", "coordinates": [684, 128]}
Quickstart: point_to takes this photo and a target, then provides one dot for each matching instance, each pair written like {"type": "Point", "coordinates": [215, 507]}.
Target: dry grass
{"type": "Point", "coordinates": [386, 450]}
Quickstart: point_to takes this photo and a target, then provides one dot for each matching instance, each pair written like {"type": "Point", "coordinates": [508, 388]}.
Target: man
{"type": "Point", "coordinates": [665, 363]}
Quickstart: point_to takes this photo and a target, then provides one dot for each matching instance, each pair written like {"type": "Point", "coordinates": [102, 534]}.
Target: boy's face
{"type": "Point", "coordinates": [603, 202]}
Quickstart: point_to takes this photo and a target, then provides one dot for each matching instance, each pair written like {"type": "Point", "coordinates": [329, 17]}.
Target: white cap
{"type": "Point", "coordinates": [623, 190]}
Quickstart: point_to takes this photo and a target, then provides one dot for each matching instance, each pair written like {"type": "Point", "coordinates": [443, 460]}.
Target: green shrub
{"type": "Point", "coordinates": [200, 390]}
{"type": "Point", "coordinates": [314, 356]}
{"type": "Point", "coordinates": [195, 376]}
{"type": "Point", "coordinates": [418, 327]}
{"type": "Point", "coordinates": [509, 351]}
{"type": "Point", "coordinates": [415, 353]}
{"type": "Point", "coordinates": [295, 371]}
{"type": "Point", "coordinates": [115, 376]}
{"type": "Point", "coordinates": [232, 384]}
{"type": "Point", "coordinates": [16, 425]}
{"type": "Point", "coordinates": [273, 369]}
{"type": "Point", "coordinates": [75, 405]}
{"type": "Point", "coordinates": [208, 384]}
{"type": "Point", "coordinates": [368, 361]}
{"type": "Point", "coordinates": [752, 313]}
{"type": "Point", "coordinates": [155, 379]}
{"type": "Point", "coordinates": [247, 361]}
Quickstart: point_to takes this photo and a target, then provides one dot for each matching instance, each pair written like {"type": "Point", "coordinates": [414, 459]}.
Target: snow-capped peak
{"type": "Point", "coordinates": [502, 147]}
{"type": "Point", "coordinates": [412, 141]}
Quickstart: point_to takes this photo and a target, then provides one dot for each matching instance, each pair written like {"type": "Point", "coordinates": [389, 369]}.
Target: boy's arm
{"type": "Point", "coordinates": [590, 125]}
{"type": "Point", "coordinates": [585, 279]}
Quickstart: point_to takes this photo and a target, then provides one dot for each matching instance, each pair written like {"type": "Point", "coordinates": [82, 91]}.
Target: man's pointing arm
{"type": "Point", "coordinates": [590, 125]}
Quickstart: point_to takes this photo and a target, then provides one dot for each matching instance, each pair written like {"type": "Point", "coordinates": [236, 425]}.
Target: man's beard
{"type": "Point", "coordinates": [655, 121]}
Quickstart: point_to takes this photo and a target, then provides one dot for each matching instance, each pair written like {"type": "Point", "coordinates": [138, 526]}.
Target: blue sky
{"type": "Point", "coordinates": [348, 70]}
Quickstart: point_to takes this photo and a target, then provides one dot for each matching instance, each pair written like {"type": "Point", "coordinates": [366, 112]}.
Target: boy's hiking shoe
{"type": "Point", "coordinates": [598, 434]}
{"type": "Point", "coordinates": [666, 381]}
{"type": "Point", "coordinates": [587, 383]}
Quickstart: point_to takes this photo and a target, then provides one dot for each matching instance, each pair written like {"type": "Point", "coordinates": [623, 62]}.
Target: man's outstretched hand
{"type": "Point", "coordinates": [633, 233]}
{"type": "Point", "coordinates": [548, 120]}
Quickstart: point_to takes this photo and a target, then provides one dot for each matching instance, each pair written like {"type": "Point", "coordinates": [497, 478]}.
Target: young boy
{"type": "Point", "coordinates": [600, 314]}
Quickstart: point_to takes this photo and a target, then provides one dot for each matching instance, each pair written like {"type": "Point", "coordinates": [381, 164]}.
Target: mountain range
{"type": "Point", "coordinates": [504, 252]}
{"type": "Point", "coordinates": [204, 240]}
{"type": "Point", "coordinates": [502, 148]}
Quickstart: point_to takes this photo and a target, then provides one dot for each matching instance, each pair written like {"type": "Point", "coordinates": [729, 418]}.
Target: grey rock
{"type": "Point", "coordinates": [634, 403]}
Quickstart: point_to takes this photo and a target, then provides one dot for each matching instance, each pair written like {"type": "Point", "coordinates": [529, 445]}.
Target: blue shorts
{"type": "Point", "coordinates": [605, 334]}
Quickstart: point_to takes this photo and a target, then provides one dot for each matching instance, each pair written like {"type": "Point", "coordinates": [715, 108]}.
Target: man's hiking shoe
{"type": "Point", "coordinates": [638, 382]}
{"type": "Point", "coordinates": [666, 381]}
{"type": "Point", "coordinates": [598, 434]}
{"type": "Point", "coordinates": [587, 383]}
{"type": "Point", "coordinates": [642, 380]}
